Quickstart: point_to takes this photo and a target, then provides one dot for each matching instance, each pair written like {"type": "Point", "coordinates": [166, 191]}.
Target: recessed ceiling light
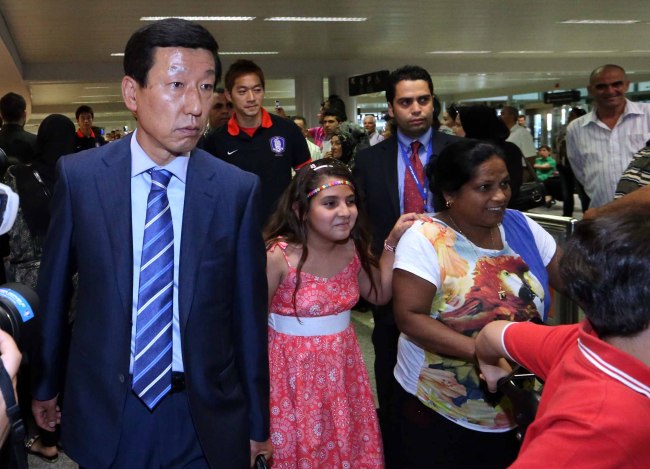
{"type": "Point", "coordinates": [591, 51]}
{"type": "Point", "coordinates": [314, 19]}
{"type": "Point", "coordinates": [600, 22]}
{"type": "Point", "coordinates": [200, 18]}
{"type": "Point", "coordinates": [440, 52]}
{"type": "Point", "coordinates": [102, 96]}
{"type": "Point", "coordinates": [117, 54]}
{"type": "Point", "coordinates": [94, 101]}
{"type": "Point", "coordinates": [250, 53]}
{"type": "Point", "coordinates": [526, 52]}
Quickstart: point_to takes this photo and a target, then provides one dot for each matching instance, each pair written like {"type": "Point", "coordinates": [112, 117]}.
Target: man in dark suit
{"type": "Point", "coordinates": [210, 406]}
{"type": "Point", "coordinates": [18, 144]}
{"type": "Point", "coordinates": [391, 179]}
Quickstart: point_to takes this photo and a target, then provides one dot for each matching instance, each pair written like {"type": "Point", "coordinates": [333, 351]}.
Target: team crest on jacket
{"type": "Point", "coordinates": [278, 145]}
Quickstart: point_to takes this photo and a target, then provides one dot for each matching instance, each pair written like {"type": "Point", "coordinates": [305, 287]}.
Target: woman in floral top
{"type": "Point", "coordinates": [474, 263]}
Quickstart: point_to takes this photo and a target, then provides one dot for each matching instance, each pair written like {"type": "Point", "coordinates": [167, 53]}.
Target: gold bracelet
{"type": "Point", "coordinates": [388, 247]}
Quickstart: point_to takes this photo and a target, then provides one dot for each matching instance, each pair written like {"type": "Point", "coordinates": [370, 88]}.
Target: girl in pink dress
{"type": "Point", "coordinates": [318, 263]}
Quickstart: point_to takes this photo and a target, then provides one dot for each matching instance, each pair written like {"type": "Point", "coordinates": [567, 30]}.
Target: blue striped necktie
{"type": "Point", "coordinates": [152, 366]}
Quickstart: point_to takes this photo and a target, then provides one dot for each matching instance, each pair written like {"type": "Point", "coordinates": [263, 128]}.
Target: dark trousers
{"type": "Point", "coordinates": [428, 439]}
{"type": "Point", "coordinates": [384, 340]}
{"type": "Point", "coordinates": [567, 180]}
{"type": "Point", "coordinates": [164, 438]}
{"type": "Point", "coordinates": [553, 188]}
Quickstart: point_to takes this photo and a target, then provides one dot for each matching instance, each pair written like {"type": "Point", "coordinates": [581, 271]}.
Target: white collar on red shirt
{"type": "Point", "coordinates": [588, 335]}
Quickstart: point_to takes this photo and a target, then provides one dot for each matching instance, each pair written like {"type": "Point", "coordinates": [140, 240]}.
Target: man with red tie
{"type": "Point", "coordinates": [392, 181]}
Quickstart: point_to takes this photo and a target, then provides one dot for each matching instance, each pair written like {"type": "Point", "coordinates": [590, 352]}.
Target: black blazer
{"type": "Point", "coordinates": [375, 173]}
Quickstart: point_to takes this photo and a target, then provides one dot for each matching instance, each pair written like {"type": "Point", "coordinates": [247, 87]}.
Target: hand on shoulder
{"type": "Point", "coordinates": [403, 223]}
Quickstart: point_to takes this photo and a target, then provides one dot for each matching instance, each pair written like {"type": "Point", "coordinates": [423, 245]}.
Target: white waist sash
{"type": "Point", "coordinates": [310, 326]}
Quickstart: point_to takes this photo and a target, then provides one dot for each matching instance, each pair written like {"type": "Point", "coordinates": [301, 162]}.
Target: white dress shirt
{"type": "Point", "coordinates": [140, 187]}
{"type": "Point", "coordinates": [599, 155]}
{"type": "Point", "coordinates": [375, 137]}
{"type": "Point", "coordinates": [521, 137]}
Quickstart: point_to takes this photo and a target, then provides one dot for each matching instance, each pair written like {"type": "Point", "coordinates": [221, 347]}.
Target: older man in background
{"type": "Point", "coordinates": [370, 124]}
{"type": "Point", "coordinates": [601, 144]}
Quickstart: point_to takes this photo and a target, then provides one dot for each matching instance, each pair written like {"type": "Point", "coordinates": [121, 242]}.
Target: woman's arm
{"type": "Point", "coordinates": [490, 353]}
{"type": "Point", "coordinates": [412, 305]}
{"type": "Point", "coordinates": [383, 277]}
{"type": "Point", "coordinates": [553, 270]}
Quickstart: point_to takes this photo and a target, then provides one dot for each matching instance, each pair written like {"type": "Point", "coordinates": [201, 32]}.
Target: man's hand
{"type": "Point", "coordinates": [46, 413]}
{"type": "Point", "coordinates": [11, 357]}
{"type": "Point", "coordinates": [265, 448]}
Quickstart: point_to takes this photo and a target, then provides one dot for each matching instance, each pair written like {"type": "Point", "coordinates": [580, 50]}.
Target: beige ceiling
{"type": "Point", "coordinates": [59, 51]}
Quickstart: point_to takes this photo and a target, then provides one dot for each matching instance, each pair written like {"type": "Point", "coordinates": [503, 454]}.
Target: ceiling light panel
{"type": "Point", "coordinates": [317, 19]}
{"type": "Point", "coordinates": [200, 18]}
{"type": "Point", "coordinates": [600, 22]}
{"type": "Point", "coordinates": [451, 52]}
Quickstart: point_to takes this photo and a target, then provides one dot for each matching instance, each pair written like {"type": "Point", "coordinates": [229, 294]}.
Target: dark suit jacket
{"type": "Point", "coordinates": [375, 173]}
{"type": "Point", "coordinates": [222, 303]}
{"type": "Point", "coordinates": [18, 144]}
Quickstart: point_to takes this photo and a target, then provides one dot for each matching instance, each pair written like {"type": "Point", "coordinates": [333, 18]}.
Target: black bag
{"type": "Point", "coordinates": [34, 196]}
{"type": "Point", "coordinates": [531, 194]}
{"type": "Point", "coordinates": [519, 387]}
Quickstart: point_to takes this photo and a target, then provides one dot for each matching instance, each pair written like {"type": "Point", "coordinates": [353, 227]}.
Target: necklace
{"type": "Point", "coordinates": [467, 237]}
{"type": "Point", "coordinates": [501, 292]}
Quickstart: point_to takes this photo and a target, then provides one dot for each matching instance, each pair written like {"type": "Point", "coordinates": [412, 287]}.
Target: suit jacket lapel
{"type": "Point", "coordinates": [200, 194]}
{"type": "Point", "coordinates": [114, 186]}
{"type": "Point", "coordinates": [439, 142]}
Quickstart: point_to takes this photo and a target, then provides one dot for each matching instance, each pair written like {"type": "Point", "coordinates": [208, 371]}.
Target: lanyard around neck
{"type": "Point", "coordinates": [422, 189]}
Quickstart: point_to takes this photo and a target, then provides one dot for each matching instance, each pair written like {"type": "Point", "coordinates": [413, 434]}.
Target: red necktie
{"type": "Point", "coordinates": [413, 201]}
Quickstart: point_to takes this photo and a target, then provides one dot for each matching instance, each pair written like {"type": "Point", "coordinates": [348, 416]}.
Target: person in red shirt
{"type": "Point", "coordinates": [595, 405]}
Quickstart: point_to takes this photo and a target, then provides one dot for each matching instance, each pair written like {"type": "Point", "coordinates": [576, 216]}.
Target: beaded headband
{"type": "Point", "coordinates": [339, 182]}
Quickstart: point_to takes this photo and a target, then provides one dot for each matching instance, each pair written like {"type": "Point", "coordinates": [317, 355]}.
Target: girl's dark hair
{"type": "Point", "coordinates": [452, 110]}
{"type": "Point", "coordinates": [288, 221]}
{"type": "Point", "coordinates": [456, 165]}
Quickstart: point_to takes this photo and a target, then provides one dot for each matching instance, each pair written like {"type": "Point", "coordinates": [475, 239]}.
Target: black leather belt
{"type": "Point", "coordinates": [178, 381]}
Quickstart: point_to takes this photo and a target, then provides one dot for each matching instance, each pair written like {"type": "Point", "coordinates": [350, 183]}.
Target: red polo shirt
{"type": "Point", "coordinates": [595, 406]}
